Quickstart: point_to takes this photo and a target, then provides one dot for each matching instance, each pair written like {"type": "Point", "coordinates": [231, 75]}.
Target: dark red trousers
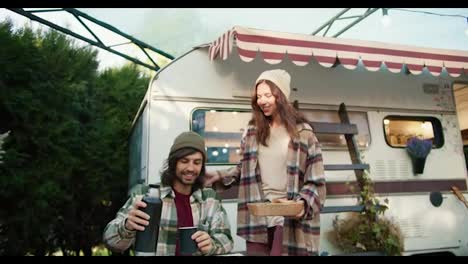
{"type": "Point", "coordinates": [274, 246]}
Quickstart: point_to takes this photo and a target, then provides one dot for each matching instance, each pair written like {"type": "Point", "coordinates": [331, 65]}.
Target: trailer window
{"type": "Point", "coordinates": [137, 150]}
{"type": "Point", "coordinates": [338, 142]}
{"type": "Point", "coordinates": [399, 129]}
{"type": "Point", "coordinates": [222, 130]}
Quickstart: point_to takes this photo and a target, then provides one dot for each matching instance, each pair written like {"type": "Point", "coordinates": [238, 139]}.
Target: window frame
{"type": "Point", "coordinates": [220, 109]}
{"type": "Point", "coordinates": [139, 124]}
{"type": "Point", "coordinates": [344, 147]}
{"type": "Point", "coordinates": [248, 110]}
{"type": "Point", "coordinates": [437, 128]}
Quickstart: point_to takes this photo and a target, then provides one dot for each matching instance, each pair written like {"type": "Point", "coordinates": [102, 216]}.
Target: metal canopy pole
{"type": "Point", "coordinates": [98, 43]}
{"type": "Point", "coordinates": [358, 19]}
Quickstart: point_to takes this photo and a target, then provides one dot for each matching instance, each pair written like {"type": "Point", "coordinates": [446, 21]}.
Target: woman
{"type": "Point", "coordinates": [281, 160]}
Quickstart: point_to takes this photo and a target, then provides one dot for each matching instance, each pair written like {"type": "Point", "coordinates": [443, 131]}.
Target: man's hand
{"type": "Point", "coordinates": [210, 178]}
{"type": "Point", "coordinates": [203, 240]}
{"type": "Point", "coordinates": [137, 219]}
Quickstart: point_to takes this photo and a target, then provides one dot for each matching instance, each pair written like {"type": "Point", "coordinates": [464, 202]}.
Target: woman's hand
{"type": "Point", "coordinates": [286, 201]}
{"type": "Point", "coordinates": [210, 178]}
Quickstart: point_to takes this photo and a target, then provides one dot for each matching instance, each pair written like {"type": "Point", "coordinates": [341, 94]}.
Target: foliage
{"type": "Point", "coordinates": [2, 139]}
{"type": "Point", "coordinates": [418, 148]}
{"type": "Point", "coordinates": [368, 230]}
{"type": "Point", "coordinates": [65, 168]}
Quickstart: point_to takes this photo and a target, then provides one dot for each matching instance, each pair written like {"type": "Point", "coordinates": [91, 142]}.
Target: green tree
{"type": "Point", "coordinates": [2, 139]}
{"type": "Point", "coordinates": [65, 168]}
{"type": "Point", "coordinates": [104, 155]}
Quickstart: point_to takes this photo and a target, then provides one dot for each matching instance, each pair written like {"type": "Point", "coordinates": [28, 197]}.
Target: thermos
{"type": "Point", "coordinates": [147, 240]}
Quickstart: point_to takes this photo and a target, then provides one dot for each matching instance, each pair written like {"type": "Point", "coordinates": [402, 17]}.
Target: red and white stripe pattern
{"type": "Point", "coordinates": [273, 47]}
{"type": "Point", "coordinates": [221, 46]}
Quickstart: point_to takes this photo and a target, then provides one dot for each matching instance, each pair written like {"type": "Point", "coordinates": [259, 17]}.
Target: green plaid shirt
{"type": "Point", "coordinates": [207, 211]}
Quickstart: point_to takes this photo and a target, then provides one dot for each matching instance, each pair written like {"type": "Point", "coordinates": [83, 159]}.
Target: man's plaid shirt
{"type": "Point", "coordinates": [207, 211]}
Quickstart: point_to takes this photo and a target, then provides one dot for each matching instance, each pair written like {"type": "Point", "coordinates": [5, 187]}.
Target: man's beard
{"type": "Point", "coordinates": [187, 178]}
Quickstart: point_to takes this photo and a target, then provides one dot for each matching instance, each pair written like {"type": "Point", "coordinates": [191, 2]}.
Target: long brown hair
{"type": "Point", "coordinates": [288, 114]}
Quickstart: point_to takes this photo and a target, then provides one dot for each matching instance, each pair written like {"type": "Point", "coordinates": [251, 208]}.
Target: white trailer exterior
{"type": "Point", "coordinates": [194, 82]}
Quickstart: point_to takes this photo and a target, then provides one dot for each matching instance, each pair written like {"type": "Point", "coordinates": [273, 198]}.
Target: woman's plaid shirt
{"type": "Point", "coordinates": [305, 181]}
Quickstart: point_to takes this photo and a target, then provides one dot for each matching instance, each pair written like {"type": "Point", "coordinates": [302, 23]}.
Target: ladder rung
{"type": "Point", "coordinates": [334, 128]}
{"type": "Point", "coordinates": [342, 209]}
{"type": "Point", "coordinates": [335, 167]}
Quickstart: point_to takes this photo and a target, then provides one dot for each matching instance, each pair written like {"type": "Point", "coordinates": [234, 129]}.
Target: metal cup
{"type": "Point", "coordinates": [188, 246]}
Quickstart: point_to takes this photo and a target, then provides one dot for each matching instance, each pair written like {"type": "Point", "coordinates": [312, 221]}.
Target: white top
{"type": "Point", "coordinates": [273, 168]}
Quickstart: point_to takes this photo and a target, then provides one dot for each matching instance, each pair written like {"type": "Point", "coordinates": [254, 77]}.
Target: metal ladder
{"type": "Point", "coordinates": [348, 130]}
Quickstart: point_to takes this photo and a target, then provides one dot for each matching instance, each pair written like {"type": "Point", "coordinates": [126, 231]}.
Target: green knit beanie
{"type": "Point", "coordinates": [189, 139]}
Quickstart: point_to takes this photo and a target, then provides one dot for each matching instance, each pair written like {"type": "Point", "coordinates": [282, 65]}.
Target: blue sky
{"type": "Point", "coordinates": [176, 30]}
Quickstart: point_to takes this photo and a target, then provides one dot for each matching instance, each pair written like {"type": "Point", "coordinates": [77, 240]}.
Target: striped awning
{"type": "Point", "coordinates": [299, 48]}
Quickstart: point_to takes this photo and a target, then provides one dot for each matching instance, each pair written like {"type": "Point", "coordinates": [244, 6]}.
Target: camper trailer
{"type": "Point", "coordinates": [392, 93]}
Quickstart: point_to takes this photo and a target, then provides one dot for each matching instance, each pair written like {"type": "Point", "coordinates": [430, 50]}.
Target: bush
{"type": "Point", "coordinates": [368, 230]}
{"type": "Point", "coordinates": [2, 139]}
{"type": "Point", "coordinates": [356, 234]}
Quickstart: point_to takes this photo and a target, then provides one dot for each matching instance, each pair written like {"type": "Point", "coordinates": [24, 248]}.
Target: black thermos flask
{"type": "Point", "coordinates": [146, 241]}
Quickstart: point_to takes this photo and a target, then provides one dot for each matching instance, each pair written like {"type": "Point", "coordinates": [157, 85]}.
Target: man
{"type": "Point", "coordinates": [185, 203]}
